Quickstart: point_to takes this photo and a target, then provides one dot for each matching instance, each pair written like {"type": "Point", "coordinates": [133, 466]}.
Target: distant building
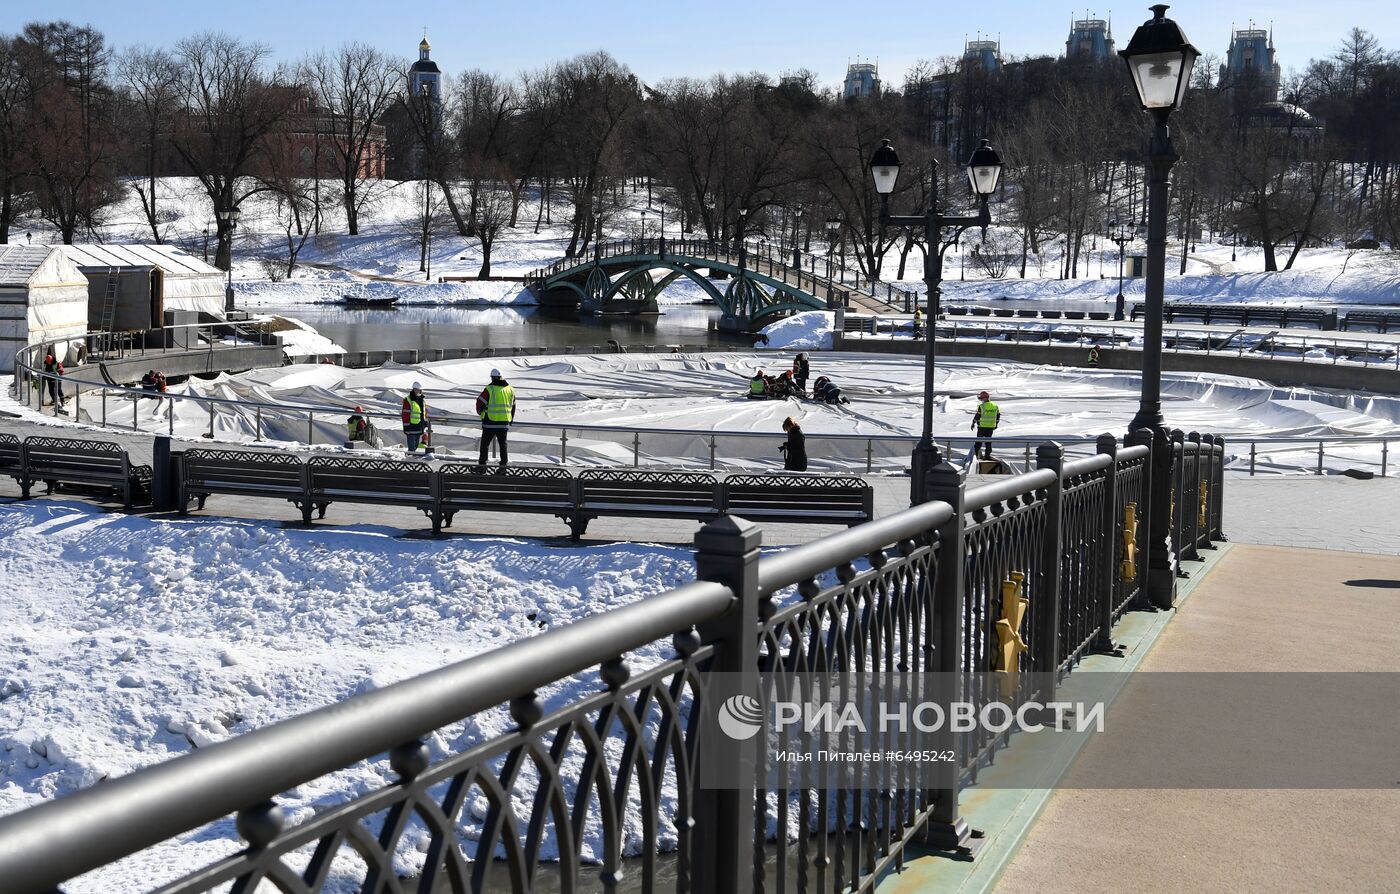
{"type": "Point", "coordinates": [1090, 39]}
{"type": "Point", "coordinates": [862, 80]}
{"type": "Point", "coordinates": [985, 54]}
{"type": "Point", "coordinates": [1250, 64]}
{"type": "Point", "coordinates": [424, 102]}
{"type": "Point", "coordinates": [424, 76]}
{"type": "Point", "coordinates": [311, 147]}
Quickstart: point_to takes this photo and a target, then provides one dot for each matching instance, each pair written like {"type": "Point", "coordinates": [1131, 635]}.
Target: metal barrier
{"type": "Point", "coordinates": [913, 592]}
{"type": "Point", "coordinates": [114, 406]}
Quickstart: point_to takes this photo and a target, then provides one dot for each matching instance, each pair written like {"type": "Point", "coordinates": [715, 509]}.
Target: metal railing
{"type": "Point", "coordinates": [596, 768]}
{"type": "Point", "coordinates": [758, 259]}
{"type": "Point", "coordinates": [1330, 348]}
{"type": "Point", "coordinates": [257, 422]}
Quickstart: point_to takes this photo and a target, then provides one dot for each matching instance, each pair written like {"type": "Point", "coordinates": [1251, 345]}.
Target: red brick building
{"type": "Point", "coordinates": [309, 141]}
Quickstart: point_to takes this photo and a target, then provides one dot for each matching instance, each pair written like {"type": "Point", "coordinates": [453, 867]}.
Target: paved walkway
{"type": "Point", "coordinates": [1264, 609]}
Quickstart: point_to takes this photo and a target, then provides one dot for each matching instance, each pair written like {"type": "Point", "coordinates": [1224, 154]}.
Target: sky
{"type": "Point", "coordinates": [658, 39]}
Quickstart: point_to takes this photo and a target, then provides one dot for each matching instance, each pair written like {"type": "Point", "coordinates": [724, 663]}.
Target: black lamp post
{"type": "Point", "coordinates": [1118, 234]}
{"type": "Point", "coordinates": [983, 174]}
{"type": "Point", "coordinates": [229, 216]}
{"type": "Point", "coordinates": [1160, 60]}
{"type": "Point", "coordinates": [206, 245]}
{"type": "Point", "coordinates": [797, 237]}
{"type": "Point", "coordinates": [833, 229]}
{"type": "Point", "coordinates": [743, 248]}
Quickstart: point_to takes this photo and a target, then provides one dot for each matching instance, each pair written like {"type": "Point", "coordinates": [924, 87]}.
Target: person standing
{"type": "Point", "coordinates": [794, 450]}
{"type": "Point", "coordinates": [918, 321]}
{"type": "Point", "coordinates": [415, 418]}
{"type": "Point", "coordinates": [55, 369]}
{"type": "Point", "coordinates": [1094, 356]}
{"type": "Point", "coordinates": [496, 406]}
{"type": "Point", "coordinates": [801, 369]}
{"type": "Point", "coordinates": [985, 419]}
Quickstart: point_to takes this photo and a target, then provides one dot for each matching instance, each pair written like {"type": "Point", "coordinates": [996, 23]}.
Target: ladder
{"type": "Point", "coordinates": [108, 319]}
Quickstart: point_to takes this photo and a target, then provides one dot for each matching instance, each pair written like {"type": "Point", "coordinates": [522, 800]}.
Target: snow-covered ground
{"type": "Point", "coordinates": [130, 641]}
{"type": "Point", "coordinates": [385, 257]}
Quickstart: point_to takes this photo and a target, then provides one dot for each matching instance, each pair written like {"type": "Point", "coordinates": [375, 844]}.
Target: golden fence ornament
{"type": "Point", "coordinates": [1011, 644]}
{"type": "Point", "coordinates": [1205, 502]}
{"type": "Point", "coordinates": [1128, 570]}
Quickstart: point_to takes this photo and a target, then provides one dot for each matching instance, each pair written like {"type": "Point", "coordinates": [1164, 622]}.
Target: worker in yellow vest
{"type": "Point", "coordinates": [496, 407]}
{"type": "Point", "coordinates": [1094, 355]}
{"type": "Point", "coordinates": [985, 419]}
{"type": "Point", "coordinates": [415, 418]}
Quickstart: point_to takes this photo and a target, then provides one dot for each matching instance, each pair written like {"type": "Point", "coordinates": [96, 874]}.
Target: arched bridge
{"type": "Point", "coordinates": [757, 286]}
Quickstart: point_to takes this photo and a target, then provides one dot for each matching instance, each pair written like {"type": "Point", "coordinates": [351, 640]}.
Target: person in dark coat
{"type": "Point", "coordinates": [827, 391]}
{"type": "Point", "coordinates": [801, 369]}
{"type": "Point", "coordinates": [795, 449]}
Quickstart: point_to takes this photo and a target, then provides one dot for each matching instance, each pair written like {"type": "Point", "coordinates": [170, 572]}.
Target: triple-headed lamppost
{"type": "Point", "coordinates": [983, 173]}
{"type": "Point", "coordinates": [1160, 59]}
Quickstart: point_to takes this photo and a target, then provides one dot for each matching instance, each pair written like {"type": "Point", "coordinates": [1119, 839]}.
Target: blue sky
{"type": "Point", "coordinates": [662, 38]}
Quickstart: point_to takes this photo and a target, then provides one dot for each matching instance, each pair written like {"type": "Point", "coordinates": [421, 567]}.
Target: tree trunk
{"type": "Point", "coordinates": [485, 271]}
{"type": "Point", "coordinates": [352, 216]}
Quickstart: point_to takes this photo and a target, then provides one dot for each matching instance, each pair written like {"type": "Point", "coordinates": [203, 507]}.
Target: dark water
{"type": "Point", "coordinates": [429, 328]}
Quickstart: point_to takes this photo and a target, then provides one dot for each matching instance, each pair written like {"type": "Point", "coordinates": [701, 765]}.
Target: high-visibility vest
{"type": "Point", "coordinates": [757, 386]}
{"type": "Point", "coordinates": [1093, 355]}
{"type": "Point", "coordinates": [415, 410]}
{"type": "Point", "coordinates": [353, 425]}
{"type": "Point", "coordinates": [988, 415]}
{"type": "Point", "coordinates": [500, 401]}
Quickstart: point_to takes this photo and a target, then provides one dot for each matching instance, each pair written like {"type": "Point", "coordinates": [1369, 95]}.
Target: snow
{"type": "Point", "coordinates": [132, 640]}
{"type": "Point", "coordinates": [812, 329]}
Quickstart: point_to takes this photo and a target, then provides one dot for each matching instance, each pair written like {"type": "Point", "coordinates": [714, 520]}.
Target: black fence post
{"type": "Point", "coordinates": [1110, 526]}
{"type": "Point", "coordinates": [727, 825]}
{"type": "Point", "coordinates": [1178, 499]}
{"type": "Point", "coordinates": [1207, 465]}
{"type": "Point", "coordinates": [946, 829]}
{"type": "Point", "coordinates": [1191, 489]}
{"type": "Point", "coordinates": [1143, 437]}
{"type": "Point", "coordinates": [1045, 601]}
{"type": "Point", "coordinates": [1160, 562]}
{"type": "Point", "coordinates": [1217, 519]}
{"type": "Point", "coordinates": [162, 476]}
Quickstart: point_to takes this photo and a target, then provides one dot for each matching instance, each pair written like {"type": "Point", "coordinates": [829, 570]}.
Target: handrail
{"type": "Point", "coordinates": [56, 840]}
{"type": "Point", "coordinates": [804, 562]}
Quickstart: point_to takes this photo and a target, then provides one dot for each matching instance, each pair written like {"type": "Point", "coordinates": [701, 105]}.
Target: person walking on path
{"type": "Point", "coordinates": [415, 418]}
{"type": "Point", "coordinates": [801, 369]}
{"type": "Point", "coordinates": [496, 406]}
{"type": "Point", "coordinates": [55, 385]}
{"type": "Point", "coordinates": [794, 450]}
{"type": "Point", "coordinates": [985, 419]}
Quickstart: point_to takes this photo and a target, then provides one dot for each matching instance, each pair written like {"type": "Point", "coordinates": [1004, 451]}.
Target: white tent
{"type": "Point", "coordinates": [43, 299]}
{"type": "Point", "coordinates": [152, 279]}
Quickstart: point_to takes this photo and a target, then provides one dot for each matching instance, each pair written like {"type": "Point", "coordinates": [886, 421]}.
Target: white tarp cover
{"type": "Point", "coordinates": [187, 282]}
{"type": "Point", "coordinates": [704, 393]}
{"type": "Point", "coordinates": [43, 298]}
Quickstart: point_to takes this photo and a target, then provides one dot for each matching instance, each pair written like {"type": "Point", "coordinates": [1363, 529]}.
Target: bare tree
{"type": "Point", "coordinates": [230, 107]}
{"type": "Point", "coordinates": [150, 82]}
{"type": "Point", "coordinates": [354, 87]}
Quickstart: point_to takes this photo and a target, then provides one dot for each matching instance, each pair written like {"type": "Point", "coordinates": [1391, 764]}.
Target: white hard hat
{"type": "Point", "coordinates": [495, 373]}
{"type": "Point", "coordinates": [417, 386]}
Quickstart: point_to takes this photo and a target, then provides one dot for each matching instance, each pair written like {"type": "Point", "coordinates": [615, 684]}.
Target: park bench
{"type": "Point", "coordinates": [540, 489]}
{"type": "Point", "coordinates": [11, 457]}
{"type": "Point", "coordinates": [100, 464]}
{"type": "Point", "coordinates": [799, 498]}
{"type": "Point", "coordinates": [1373, 320]}
{"type": "Point", "coordinates": [390, 482]}
{"type": "Point", "coordinates": [643, 494]}
{"type": "Point", "coordinates": [240, 473]}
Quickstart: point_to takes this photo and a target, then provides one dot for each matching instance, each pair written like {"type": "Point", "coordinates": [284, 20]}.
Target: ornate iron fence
{"type": "Point", "coordinates": [586, 758]}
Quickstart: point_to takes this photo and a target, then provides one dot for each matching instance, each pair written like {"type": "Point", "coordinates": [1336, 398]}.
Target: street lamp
{"type": "Point", "coordinates": [833, 229]}
{"type": "Point", "coordinates": [1118, 234]}
{"type": "Point", "coordinates": [743, 213]}
{"type": "Point", "coordinates": [1160, 60]}
{"type": "Point", "coordinates": [206, 245]}
{"type": "Point", "coordinates": [797, 237]}
{"type": "Point", "coordinates": [983, 175]}
{"type": "Point", "coordinates": [229, 216]}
